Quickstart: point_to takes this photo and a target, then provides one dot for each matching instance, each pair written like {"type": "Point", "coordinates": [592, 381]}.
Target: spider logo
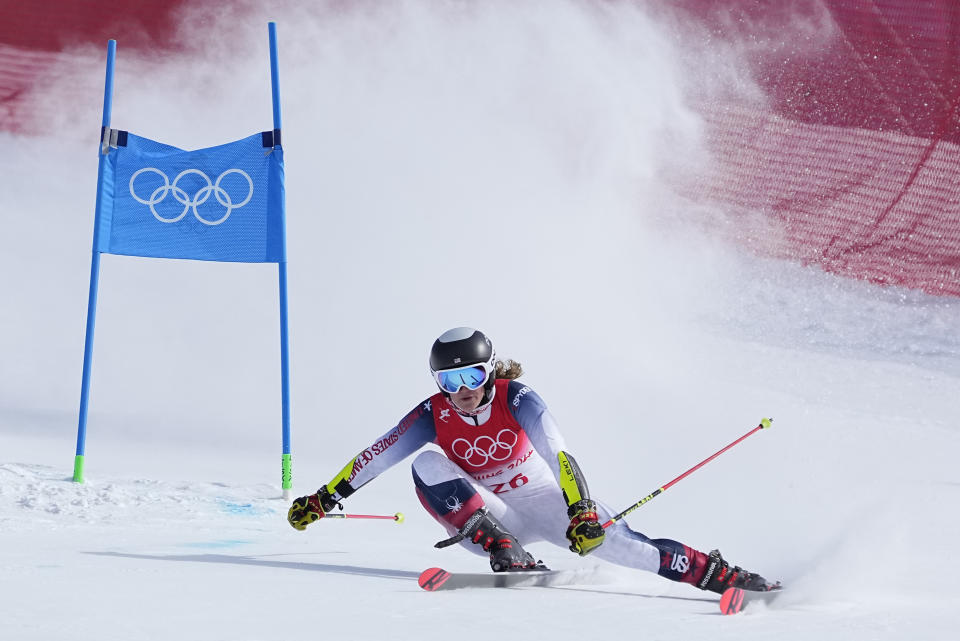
{"type": "Point", "coordinates": [453, 503]}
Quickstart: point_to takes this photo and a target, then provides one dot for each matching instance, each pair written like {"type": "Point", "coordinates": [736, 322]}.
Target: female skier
{"type": "Point", "coordinates": [504, 476]}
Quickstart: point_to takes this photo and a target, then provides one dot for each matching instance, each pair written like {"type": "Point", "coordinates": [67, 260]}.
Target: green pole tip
{"type": "Point", "coordinates": [78, 469]}
{"type": "Point", "coordinates": [765, 422]}
{"type": "Point", "coordinates": [286, 473]}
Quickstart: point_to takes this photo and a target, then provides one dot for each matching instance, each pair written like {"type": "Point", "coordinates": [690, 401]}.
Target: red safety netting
{"type": "Point", "coordinates": [34, 35]}
{"type": "Point", "coordinates": [853, 160]}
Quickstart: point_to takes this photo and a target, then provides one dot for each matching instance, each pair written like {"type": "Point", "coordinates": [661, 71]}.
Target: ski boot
{"type": "Point", "coordinates": [719, 576]}
{"type": "Point", "coordinates": [506, 554]}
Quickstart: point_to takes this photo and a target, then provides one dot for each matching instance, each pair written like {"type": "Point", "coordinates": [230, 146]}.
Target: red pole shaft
{"type": "Point", "coordinates": [764, 423]}
{"type": "Point", "coordinates": [710, 458]}
{"type": "Point", "coordinates": [391, 517]}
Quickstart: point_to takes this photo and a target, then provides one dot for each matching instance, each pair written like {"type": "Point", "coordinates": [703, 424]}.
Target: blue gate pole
{"type": "Point", "coordinates": [286, 478]}
{"type": "Point", "coordinates": [94, 270]}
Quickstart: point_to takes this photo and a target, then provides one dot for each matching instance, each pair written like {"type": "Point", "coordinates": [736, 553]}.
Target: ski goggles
{"type": "Point", "coordinates": [472, 377]}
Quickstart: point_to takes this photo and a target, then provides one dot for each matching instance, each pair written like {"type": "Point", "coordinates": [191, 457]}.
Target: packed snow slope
{"type": "Point", "coordinates": [447, 164]}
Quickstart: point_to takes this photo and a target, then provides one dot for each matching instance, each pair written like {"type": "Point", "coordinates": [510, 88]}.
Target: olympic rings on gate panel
{"type": "Point", "coordinates": [485, 449]}
{"type": "Point", "coordinates": [202, 195]}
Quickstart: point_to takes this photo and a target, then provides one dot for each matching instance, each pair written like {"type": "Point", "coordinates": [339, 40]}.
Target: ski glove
{"type": "Point", "coordinates": [585, 532]}
{"type": "Point", "coordinates": [307, 509]}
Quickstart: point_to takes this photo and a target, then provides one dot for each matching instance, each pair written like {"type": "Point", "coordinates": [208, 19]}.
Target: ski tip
{"type": "Point", "coordinates": [732, 601]}
{"type": "Point", "coordinates": [432, 578]}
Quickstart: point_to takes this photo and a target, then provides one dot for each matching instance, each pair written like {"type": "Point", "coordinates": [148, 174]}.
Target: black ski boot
{"type": "Point", "coordinates": [506, 554]}
{"type": "Point", "coordinates": [719, 576]}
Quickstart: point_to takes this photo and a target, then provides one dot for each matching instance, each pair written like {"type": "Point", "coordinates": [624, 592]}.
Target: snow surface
{"type": "Point", "coordinates": [499, 165]}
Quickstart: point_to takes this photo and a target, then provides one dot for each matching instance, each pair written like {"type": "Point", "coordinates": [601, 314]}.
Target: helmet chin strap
{"type": "Point", "coordinates": [479, 409]}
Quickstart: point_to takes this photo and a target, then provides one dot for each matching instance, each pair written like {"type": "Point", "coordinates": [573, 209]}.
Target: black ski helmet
{"type": "Point", "coordinates": [462, 346]}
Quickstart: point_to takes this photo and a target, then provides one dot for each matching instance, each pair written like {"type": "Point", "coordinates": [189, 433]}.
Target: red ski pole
{"type": "Point", "coordinates": [764, 423]}
{"type": "Point", "coordinates": [398, 517]}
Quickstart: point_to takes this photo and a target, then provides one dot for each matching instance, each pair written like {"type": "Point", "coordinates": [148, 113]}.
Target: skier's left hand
{"type": "Point", "coordinates": [585, 532]}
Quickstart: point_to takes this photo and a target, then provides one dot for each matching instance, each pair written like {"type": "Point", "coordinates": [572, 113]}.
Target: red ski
{"type": "Point", "coordinates": [734, 600]}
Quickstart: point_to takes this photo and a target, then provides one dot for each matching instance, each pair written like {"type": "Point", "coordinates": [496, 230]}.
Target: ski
{"type": "Point", "coordinates": [734, 600]}
{"type": "Point", "coordinates": [434, 579]}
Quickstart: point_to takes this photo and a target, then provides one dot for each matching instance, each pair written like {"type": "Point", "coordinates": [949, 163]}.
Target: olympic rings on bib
{"type": "Point", "coordinates": [485, 448]}
{"type": "Point", "coordinates": [202, 195]}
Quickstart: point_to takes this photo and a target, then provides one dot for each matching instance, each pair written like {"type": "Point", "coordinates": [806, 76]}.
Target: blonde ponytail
{"type": "Point", "coordinates": [508, 368]}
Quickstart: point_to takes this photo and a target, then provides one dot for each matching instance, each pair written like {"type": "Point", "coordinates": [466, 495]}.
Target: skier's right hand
{"type": "Point", "coordinates": [307, 509]}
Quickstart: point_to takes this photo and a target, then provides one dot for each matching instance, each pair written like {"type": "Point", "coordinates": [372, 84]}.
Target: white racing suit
{"type": "Point", "coordinates": [505, 459]}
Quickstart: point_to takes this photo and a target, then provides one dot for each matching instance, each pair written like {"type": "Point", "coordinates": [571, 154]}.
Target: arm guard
{"type": "Point", "coordinates": [572, 483]}
{"type": "Point", "coordinates": [585, 532]}
{"type": "Point", "coordinates": [339, 486]}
